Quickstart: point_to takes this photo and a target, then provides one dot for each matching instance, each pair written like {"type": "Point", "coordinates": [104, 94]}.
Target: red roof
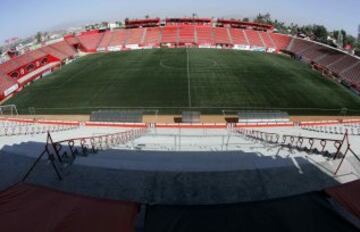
{"type": "Point", "coordinates": [251, 24]}
{"type": "Point", "coordinates": [29, 208]}
{"type": "Point", "coordinates": [348, 195]}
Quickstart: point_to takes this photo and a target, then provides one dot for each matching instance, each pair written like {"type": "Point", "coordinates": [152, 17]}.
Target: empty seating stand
{"type": "Point", "coordinates": [65, 48]}
{"type": "Point", "coordinates": [315, 52]}
{"type": "Point", "coordinates": [343, 64]}
{"type": "Point", "coordinates": [152, 37]}
{"type": "Point", "coordinates": [135, 36]}
{"type": "Point", "coordinates": [266, 39]}
{"type": "Point", "coordinates": [5, 83]}
{"type": "Point", "coordinates": [238, 36]}
{"type": "Point", "coordinates": [55, 53]}
{"type": "Point", "coordinates": [352, 76]}
{"type": "Point", "coordinates": [281, 41]}
{"type": "Point", "coordinates": [254, 38]}
{"type": "Point", "coordinates": [90, 42]}
{"type": "Point", "coordinates": [104, 43]}
{"type": "Point", "coordinates": [221, 35]}
{"type": "Point", "coordinates": [187, 34]}
{"type": "Point", "coordinates": [300, 45]}
{"type": "Point", "coordinates": [204, 35]}
{"type": "Point", "coordinates": [118, 39]}
{"type": "Point", "coordinates": [332, 57]}
{"type": "Point", "coordinates": [170, 34]}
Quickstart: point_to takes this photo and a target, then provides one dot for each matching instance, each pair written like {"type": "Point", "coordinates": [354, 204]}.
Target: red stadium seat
{"type": "Point", "coordinates": [343, 64]}
{"type": "Point", "coordinates": [90, 42]}
{"type": "Point", "coordinates": [238, 36]}
{"type": "Point", "coordinates": [281, 41]}
{"type": "Point", "coordinates": [169, 34]}
{"type": "Point", "coordinates": [300, 45]}
{"type": "Point", "coordinates": [267, 40]}
{"type": "Point", "coordinates": [135, 36]}
{"type": "Point", "coordinates": [204, 35]}
{"type": "Point", "coordinates": [65, 48]}
{"type": "Point", "coordinates": [5, 83]}
{"type": "Point", "coordinates": [221, 35]}
{"type": "Point", "coordinates": [254, 38]}
{"type": "Point", "coordinates": [187, 34]}
{"type": "Point", "coordinates": [332, 57]}
{"type": "Point", "coordinates": [104, 43]}
{"type": "Point", "coordinates": [118, 38]}
{"type": "Point", "coordinates": [152, 36]}
{"type": "Point", "coordinates": [53, 52]}
{"type": "Point", "coordinates": [353, 75]}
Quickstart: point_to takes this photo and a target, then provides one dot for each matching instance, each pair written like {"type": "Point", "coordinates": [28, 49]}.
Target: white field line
{"type": "Point", "coordinates": [188, 76]}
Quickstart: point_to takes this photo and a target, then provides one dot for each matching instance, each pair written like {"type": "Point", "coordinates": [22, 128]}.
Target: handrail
{"type": "Point", "coordinates": [65, 155]}
{"type": "Point", "coordinates": [302, 143]}
{"type": "Point", "coordinates": [305, 143]}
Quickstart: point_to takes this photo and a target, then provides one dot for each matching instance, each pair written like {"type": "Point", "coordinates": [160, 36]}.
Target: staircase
{"type": "Point", "coordinates": [127, 36]}
{"type": "Point", "coordinates": [350, 67]}
{"type": "Point", "coordinates": [246, 37]}
{"type": "Point", "coordinates": [160, 35]}
{"type": "Point", "coordinates": [143, 36]}
{"type": "Point", "coordinates": [229, 35]}
{"type": "Point", "coordinates": [102, 37]}
{"type": "Point", "coordinates": [177, 35]}
{"type": "Point", "coordinates": [271, 40]}
{"type": "Point", "coordinates": [291, 45]}
{"type": "Point", "coordinates": [213, 36]}
{"type": "Point", "coordinates": [261, 39]}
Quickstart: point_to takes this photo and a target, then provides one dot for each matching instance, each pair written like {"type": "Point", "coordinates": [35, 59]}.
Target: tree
{"type": "Point", "coordinates": [320, 33]}
{"type": "Point", "coordinates": [266, 18]}
{"type": "Point", "coordinates": [147, 16]}
{"type": "Point", "coordinates": [349, 39]}
{"type": "Point", "coordinates": [246, 20]}
{"type": "Point", "coordinates": [38, 37]}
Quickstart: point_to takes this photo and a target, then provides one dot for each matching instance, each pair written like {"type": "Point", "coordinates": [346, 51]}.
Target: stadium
{"type": "Point", "coordinates": [180, 124]}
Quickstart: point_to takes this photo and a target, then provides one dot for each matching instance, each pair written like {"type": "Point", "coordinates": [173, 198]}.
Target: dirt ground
{"type": "Point", "coordinates": [177, 118]}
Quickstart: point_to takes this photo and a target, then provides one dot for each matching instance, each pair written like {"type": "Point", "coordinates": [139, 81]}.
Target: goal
{"type": "Point", "coordinates": [8, 110]}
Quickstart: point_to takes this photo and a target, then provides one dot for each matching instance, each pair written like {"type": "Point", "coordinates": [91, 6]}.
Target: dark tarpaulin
{"type": "Point", "coordinates": [309, 212]}
{"type": "Point", "coordinates": [25, 207]}
{"type": "Point", "coordinates": [348, 195]}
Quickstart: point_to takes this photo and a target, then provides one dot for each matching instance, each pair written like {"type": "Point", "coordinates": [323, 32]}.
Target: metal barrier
{"type": "Point", "coordinates": [306, 144]}
{"type": "Point", "coordinates": [17, 129]}
{"type": "Point", "coordinates": [61, 154]}
{"type": "Point", "coordinates": [116, 116]}
{"type": "Point", "coordinates": [352, 130]}
{"type": "Point", "coordinates": [258, 116]}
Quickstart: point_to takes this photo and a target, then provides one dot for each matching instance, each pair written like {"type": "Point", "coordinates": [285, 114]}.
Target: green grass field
{"type": "Point", "coordinates": [172, 80]}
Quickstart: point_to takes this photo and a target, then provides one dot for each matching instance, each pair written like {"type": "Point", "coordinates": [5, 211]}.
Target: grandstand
{"type": "Point", "coordinates": [148, 33]}
{"type": "Point", "coordinates": [117, 40]}
{"type": "Point", "coordinates": [193, 138]}
{"type": "Point", "coordinates": [187, 34]}
{"type": "Point", "coordinates": [170, 34]}
{"type": "Point", "coordinates": [90, 40]}
{"type": "Point", "coordinates": [238, 36]}
{"type": "Point", "coordinates": [254, 38]}
{"type": "Point", "coordinates": [221, 35]}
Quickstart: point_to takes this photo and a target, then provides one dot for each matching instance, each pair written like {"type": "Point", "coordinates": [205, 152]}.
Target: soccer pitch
{"type": "Point", "coordinates": [173, 80]}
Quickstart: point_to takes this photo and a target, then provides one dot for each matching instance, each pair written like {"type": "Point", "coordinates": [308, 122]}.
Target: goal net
{"type": "Point", "coordinates": [8, 110]}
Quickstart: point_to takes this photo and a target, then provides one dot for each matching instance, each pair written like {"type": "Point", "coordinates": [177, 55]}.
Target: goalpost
{"type": "Point", "coordinates": [8, 110]}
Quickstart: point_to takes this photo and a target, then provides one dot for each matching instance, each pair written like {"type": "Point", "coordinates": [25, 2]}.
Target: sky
{"type": "Point", "coordinates": [20, 18]}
